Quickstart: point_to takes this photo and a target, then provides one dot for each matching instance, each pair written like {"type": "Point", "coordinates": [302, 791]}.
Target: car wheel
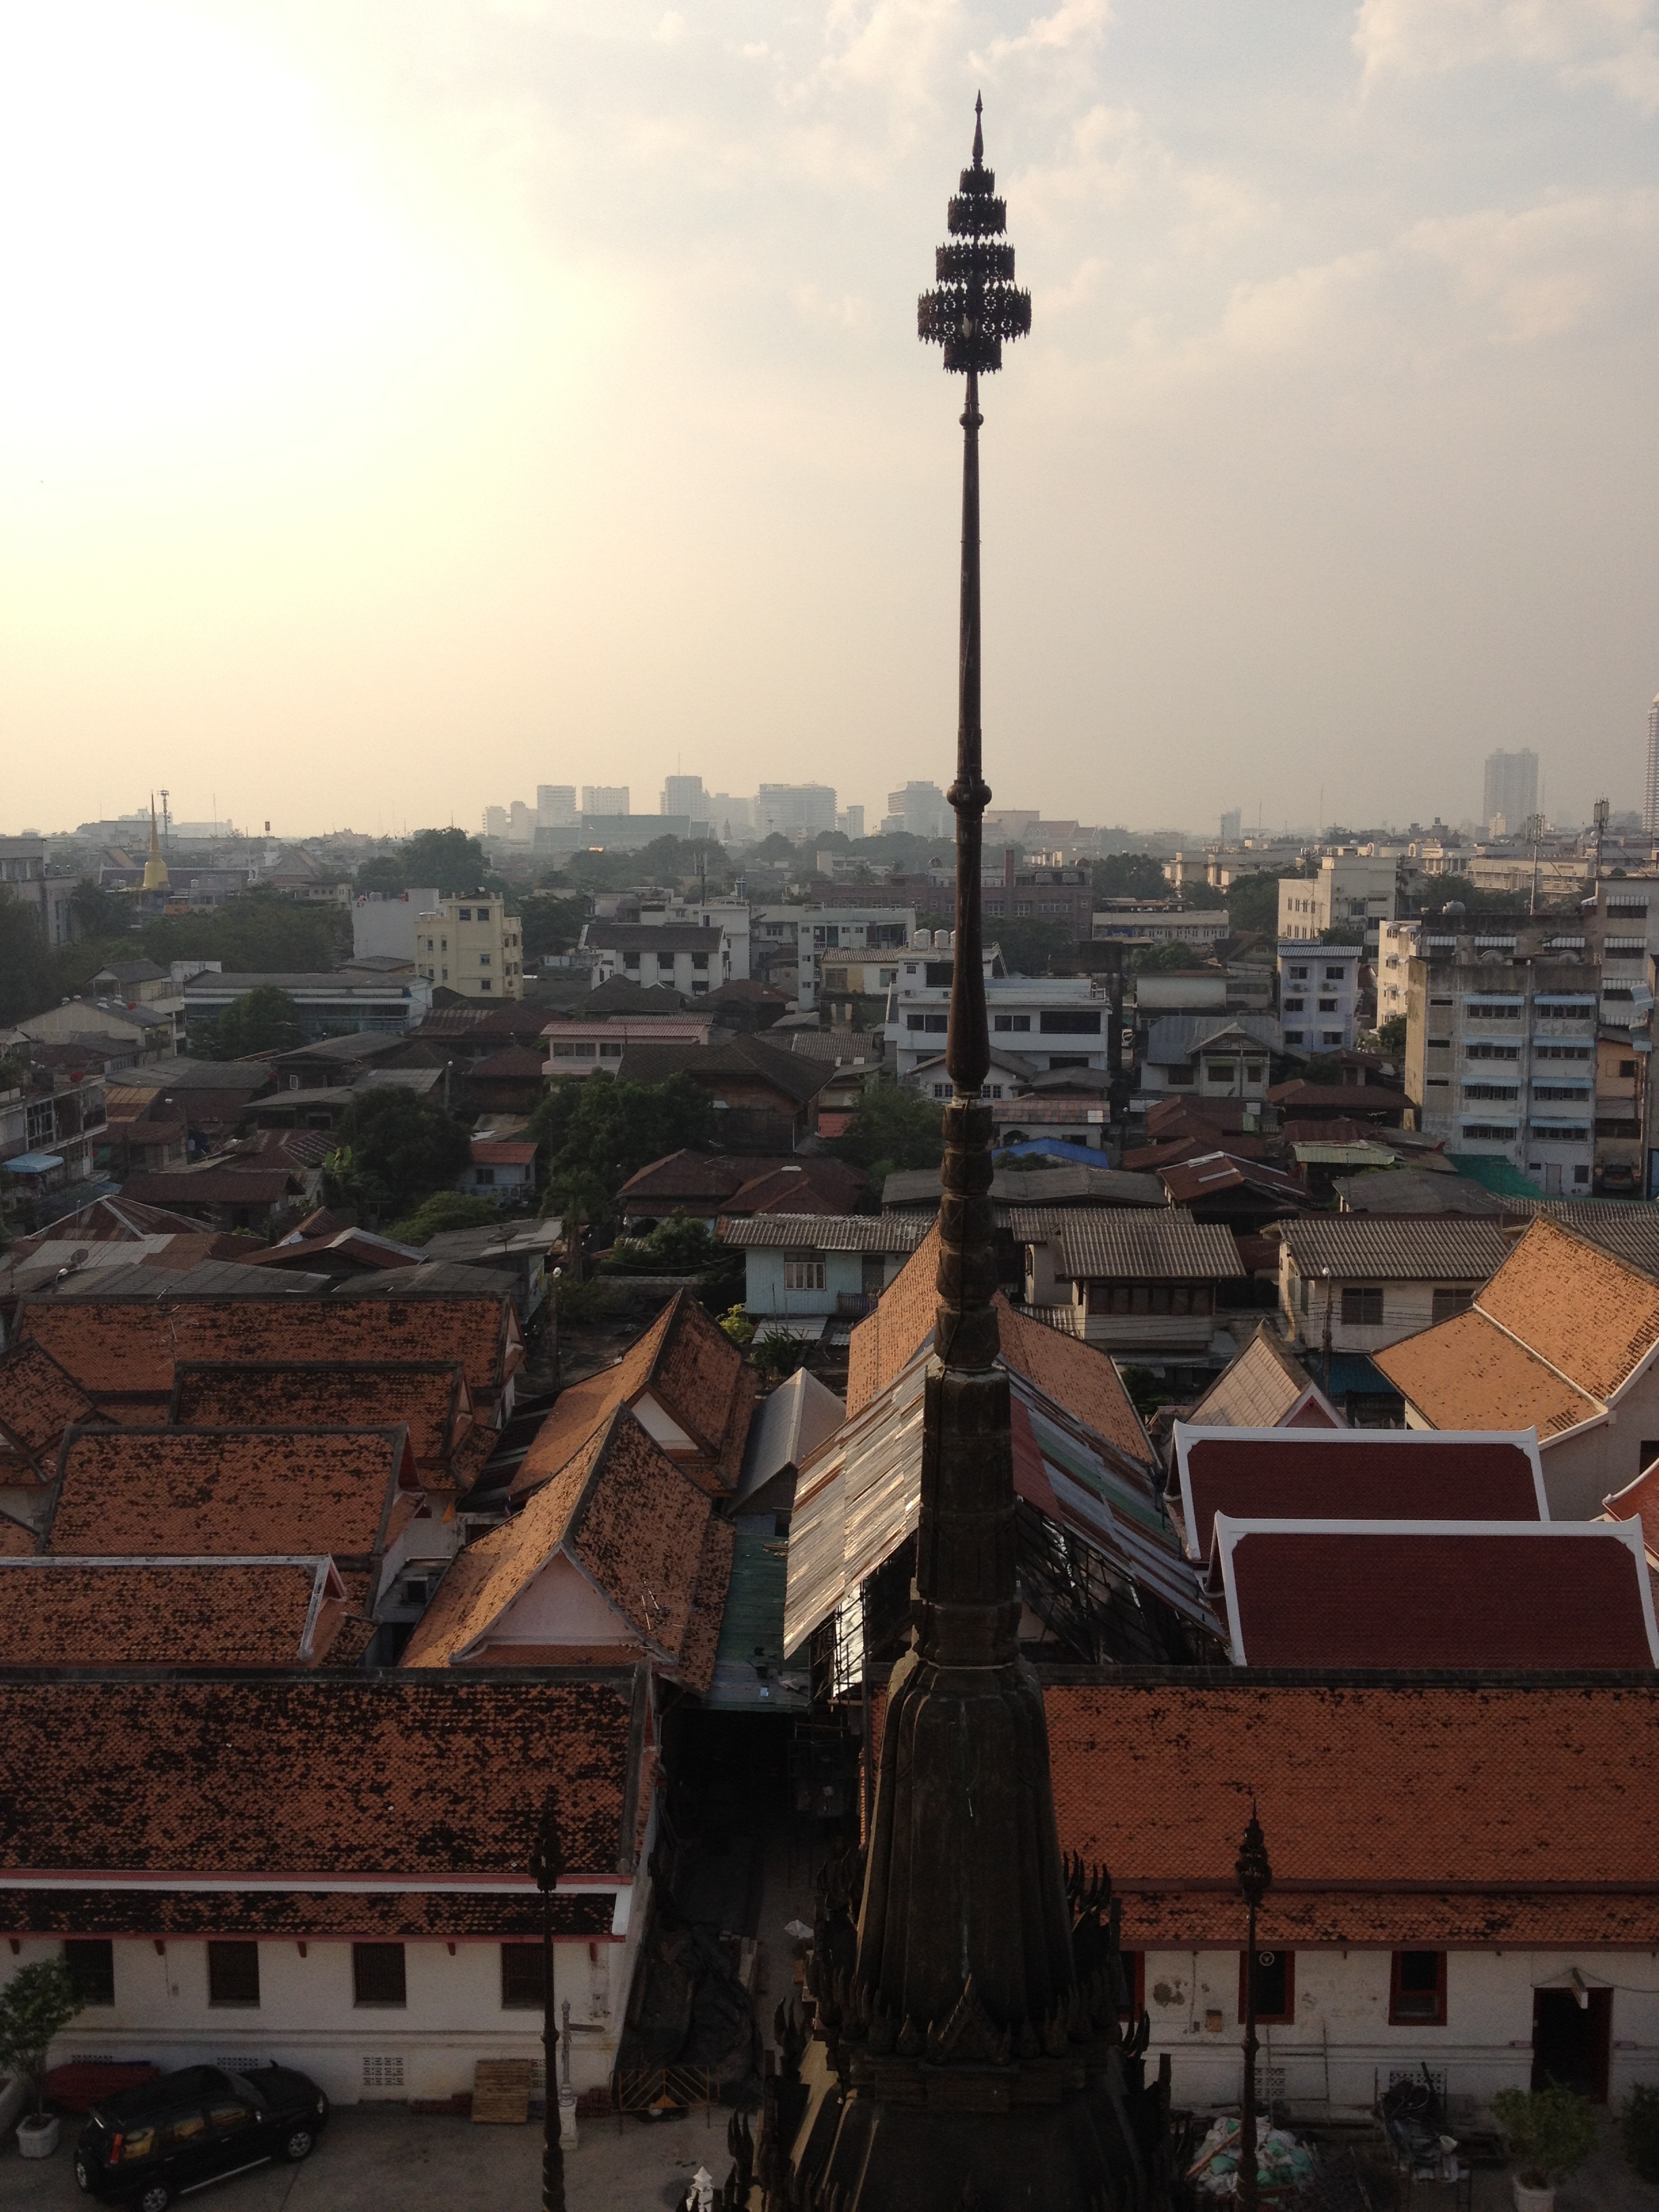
{"type": "Point", "coordinates": [298, 2144]}
{"type": "Point", "coordinates": [82, 2178]}
{"type": "Point", "coordinates": [156, 2198]}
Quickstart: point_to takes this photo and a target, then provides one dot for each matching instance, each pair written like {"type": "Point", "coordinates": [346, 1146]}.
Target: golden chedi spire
{"type": "Point", "coordinates": [156, 868]}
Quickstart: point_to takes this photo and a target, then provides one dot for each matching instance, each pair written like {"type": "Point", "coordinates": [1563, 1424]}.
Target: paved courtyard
{"type": "Point", "coordinates": [376, 2156]}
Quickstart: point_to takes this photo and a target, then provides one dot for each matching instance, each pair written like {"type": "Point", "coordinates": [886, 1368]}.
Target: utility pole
{"type": "Point", "coordinates": [1534, 835]}
{"type": "Point", "coordinates": [546, 1865]}
{"type": "Point", "coordinates": [1253, 1875]}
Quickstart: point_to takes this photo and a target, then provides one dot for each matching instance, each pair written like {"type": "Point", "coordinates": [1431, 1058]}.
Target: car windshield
{"type": "Point", "coordinates": [243, 2087]}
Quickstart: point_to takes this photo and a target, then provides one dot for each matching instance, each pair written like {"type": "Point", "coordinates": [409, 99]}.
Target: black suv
{"type": "Point", "coordinates": [153, 2143]}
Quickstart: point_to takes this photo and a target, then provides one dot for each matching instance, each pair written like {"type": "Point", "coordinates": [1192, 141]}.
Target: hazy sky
{"type": "Point", "coordinates": [406, 402]}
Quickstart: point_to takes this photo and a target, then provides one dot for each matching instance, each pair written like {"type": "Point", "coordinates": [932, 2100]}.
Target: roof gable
{"type": "Point", "coordinates": [190, 1612]}
{"type": "Point", "coordinates": [1591, 1316]}
{"type": "Point", "coordinates": [1264, 1387]}
{"type": "Point", "coordinates": [430, 1397]}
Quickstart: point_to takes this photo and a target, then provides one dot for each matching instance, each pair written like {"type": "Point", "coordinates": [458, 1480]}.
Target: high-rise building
{"type": "Point", "coordinates": [730, 819]}
{"type": "Point", "coordinates": [1233, 825]}
{"type": "Point", "coordinates": [495, 822]}
{"type": "Point", "coordinates": [605, 798]}
{"type": "Point", "coordinates": [521, 824]}
{"type": "Point", "coordinates": [1511, 790]}
{"type": "Point", "coordinates": [790, 807]}
{"type": "Point", "coordinates": [849, 820]}
{"type": "Point", "coordinates": [1650, 803]}
{"type": "Point", "coordinates": [920, 810]}
{"type": "Point", "coordinates": [555, 805]}
{"type": "Point", "coordinates": [683, 794]}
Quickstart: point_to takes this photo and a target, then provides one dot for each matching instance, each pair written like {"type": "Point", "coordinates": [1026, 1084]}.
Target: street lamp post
{"type": "Point", "coordinates": [546, 1865]}
{"type": "Point", "coordinates": [1254, 1875]}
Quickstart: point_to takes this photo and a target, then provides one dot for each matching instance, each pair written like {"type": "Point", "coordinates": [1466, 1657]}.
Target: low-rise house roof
{"type": "Point", "coordinates": [1066, 1185]}
{"type": "Point", "coordinates": [823, 1232]}
{"type": "Point", "coordinates": [1356, 1474]}
{"type": "Point", "coordinates": [839, 1045]}
{"type": "Point", "coordinates": [212, 1185]}
{"type": "Point", "coordinates": [726, 1183]}
{"type": "Point", "coordinates": [187, 1611]}
{"type": "Point", "coordinates": [747, 1059]}
{"type": "Point", "coordinates": [1555, 1338]}
{"type": "Point", "coordinates": [1300, 1097]}
{"type": "Point", "coordinates": [1481, 1811]}
{"type": "Point", "coordinates": [665, 937]}
{"type": "Point", "coordinates": [1453, 1248]}
{"type": "Point", "coordinates": [1211, 1176]}
{"type": "Point", "coordinates": [620, 1524]}
{"type": "Point", "coordinates": [687, 1384]}
{"type": "Point", "coordinates": [391, 1806]}
{"type": "Point", "coordinates": [1415, 1190]}
{"type": "Point", "coordinates": [1628, 1228]}
{"type": "Point", "coordinates": [1417, 1593]}
{"type": "Point", "coordinates": [1174, 1038]}
{"type": "Point", "coordinates": [1266, 1387]}
{"type": "Point", "coordinates": [176, 1492]}
{"type": "Point", "coordinates": [1151, 1246]}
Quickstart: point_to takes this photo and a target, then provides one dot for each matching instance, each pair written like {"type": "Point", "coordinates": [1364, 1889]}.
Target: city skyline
{"type": "Point", "coordinates": [550, 392]}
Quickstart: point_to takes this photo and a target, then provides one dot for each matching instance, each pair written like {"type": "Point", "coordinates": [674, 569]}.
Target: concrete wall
{"type": "Point", "coordinates": [306, 2016]}
{"type": "Point", "coordinates": [1341, 2043]}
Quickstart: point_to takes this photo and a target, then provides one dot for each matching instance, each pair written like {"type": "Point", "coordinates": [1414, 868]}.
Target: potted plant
{"type": "Point", "coordinates": [1551, 2132]}
{"type": "Point", "coordinates": [37, 2004]}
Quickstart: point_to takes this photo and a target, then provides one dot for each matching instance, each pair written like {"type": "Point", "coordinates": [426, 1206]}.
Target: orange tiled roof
{"type": "Point", "coordinates": [429, 1396]}
{"type": "Point", "coordinates": [170, 1613]}
{"type": "Point", "coordinates": [1587, 1314]}
{"type": "Point", "coordinates": [1466, 1373]}
{"type": "Point", "coordinates": [1065, 1368]}
{"type": "Point", "coordinates": [245, 1491]}
{"type": "Point", "coordinates": [127, 1346]}
{"type": "Point", "coordinates": [383, 1915]}
{"type": "Point", "coordinates": [691, 1367]}
{"type": "Point", "coordinates": [1393, 1811]}
{"type": "Point", "coordinates": [39, 1400]}
{"type": "Point", "coordinates": [634, 1524]}
{"type": "Point", "coordinates": [410, 1775]}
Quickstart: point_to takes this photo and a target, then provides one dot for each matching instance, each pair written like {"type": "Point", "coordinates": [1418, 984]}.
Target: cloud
{"type": "Point", "coordinates": [1074, 25]}
{"type": "Point", "coordinates": [1610, 42]}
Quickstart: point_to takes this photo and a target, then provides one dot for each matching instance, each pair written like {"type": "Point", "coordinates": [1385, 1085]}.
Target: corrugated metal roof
{"type": "Point", "coordinates": [1161, 1245]}
{"type": "Point", "coordinates": [1446, 1248]}
{"type": "Point", "coordinates": [787, 1428]}
{"type": "Point", "coordinates": [1177, 1036]}
{"type": "Point", "coordinates": [825, 1232]}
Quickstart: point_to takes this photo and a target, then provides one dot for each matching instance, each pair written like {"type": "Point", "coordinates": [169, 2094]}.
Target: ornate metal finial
{"type": "Point", "coordinates": [1254, 1875]}
{"type": "Point", "coordinates": [547, 1854]}
{"type": "Point", "coordinates": [976, 306]}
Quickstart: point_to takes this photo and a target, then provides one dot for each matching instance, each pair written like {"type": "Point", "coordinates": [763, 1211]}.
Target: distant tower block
{"type": "Point", "coordinates": [1650, 800]}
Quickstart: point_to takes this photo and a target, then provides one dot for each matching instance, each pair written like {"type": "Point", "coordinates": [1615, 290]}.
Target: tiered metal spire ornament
{"type": "Point", "coordinates": [966, 2044]}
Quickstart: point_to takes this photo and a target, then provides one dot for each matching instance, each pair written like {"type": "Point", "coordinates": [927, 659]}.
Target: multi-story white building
{"type": "Point", "coordinates": [383, 923]}
{"type": "Point", "coordinates": [1502, 1019]}
{"type": "Point", "coordinates": [819, 930]}
{"type": "Point", "coordinates": [555, 805]}
{"type": "Point", "coordinates": [849, 820]}
{"type": "Point", "coordinates": [1396, 949]}
{"type": "Point", "coordinates": [683, 794]}
{"type": "Point", "coordinates": [793, 808]}
{"type": "Point", "coordinates": [1134, 925]}
{"type": "Point", "coordinates": [692, 960]}
{"type": "Point", "coordinates": [920, 810]}
{"type": "Point", "coordinates": [469, 944]}
{"type": "Point", "coordinates": [729, 916]}
{"type": "Point", "coordinates": [1048, 1021]}
{"type": "Point", "coordinates": [605, 798]}
{"type": "Point", "coordinates": [1318, 987]}
{"type": "Point", "coordinates": [1353, 891]}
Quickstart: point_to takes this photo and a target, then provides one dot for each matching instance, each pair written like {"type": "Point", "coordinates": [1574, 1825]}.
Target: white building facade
{"type": "Point", "coordinates": [1318, 990]}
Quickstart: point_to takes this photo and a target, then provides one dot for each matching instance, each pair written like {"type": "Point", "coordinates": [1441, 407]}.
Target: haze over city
{"type": "Point", "coordinates": [420, 403]}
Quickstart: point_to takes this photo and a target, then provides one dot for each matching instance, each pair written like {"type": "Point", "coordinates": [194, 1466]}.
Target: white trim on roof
{"type": "Point", "coordinates": [1229, 1533]}
{"type": "Point", "coordinates": [1186, 1434]}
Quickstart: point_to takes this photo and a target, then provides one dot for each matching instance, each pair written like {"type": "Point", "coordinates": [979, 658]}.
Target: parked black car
{"type": "Point", "coordinates": [148, 2145]}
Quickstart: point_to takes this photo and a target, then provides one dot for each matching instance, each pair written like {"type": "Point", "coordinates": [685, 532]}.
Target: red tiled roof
{"type": "Point", "coordinates": [687, 1178]}
{"type": "Point", "coordinates": [17, 1538]}
{"type": "Point", "coordinates": [885, 1342]}
{"type": "Point", "coordinates": [1386, 1595]}
{"type": "Point", "coordinates": [383, 1915]}
{"type": "Point", "coordinates": [1349, 1474]}
{"type": "Point", "coordinates": [429, 1396]}
{"type": "Point", "coordinates": [1639, 1501]}
{"type": "Point", "coordinates": [1207, 1173]}
{"type": "Point", "coordinates": [515, 1063]}
{"type": "Point", "coordinates": [1466, 1813]}
{"type": "Point", "coordinates": [412, 1776]}
{"type": "Point", "coordinates": [508, 1152]}
{"type": "Point", "coordinates": [170, 1613]}
{"type": "Point", "coordinates": [39, 1400]}
{"type": "Point", "coordinates": [184, 1492]}
{"type": "Point", "coordinates": [128, 1346]}
{"type": "Point", "coordinates": [636, 1526]}
{"type": "Point", "coordinates": [1339, 1097]}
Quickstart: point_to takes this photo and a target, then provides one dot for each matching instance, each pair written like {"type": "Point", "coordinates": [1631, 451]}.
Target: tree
{"type": "Point", "coordinates": [893, 1128]}
{"type": "Point", "coordinates": [404, 1145]}
{"type": "Point", "coordinates": [1034, 948]}
{"type": "Point", "coordinates": [447, 860]}
{"type": "Point", "coordinates": [1253, 901]}
{"type": "Point", "coordinates": [776, 847]}
{"type": "Point", "coordinates": [1130, 875]}
{"type": "Point", "coordinates": [98, 913]}
{"type": "Point", "coordinates": [26, 978]}
{"type": "Point", "coordinates": [264, 1019]}
{"type": "Point", "coordinates": [1391, 1037]}
{"type": "Point", "coordinates": [1168, 954]}
{"type": "Point", "coordinates": [1203, 898]}
{"type": "Point", "coordinates": [1342, 932]}
{"type": "Point", "coordinates": [257, 932]}
{"type": "Point", "coordinates": [549, 923]}
{"type": "Point", "coordinates": [37, 2004]}
{"type": "Point", "coordinates": [597, 1132]}
{"type": "Point", "coordinates": [445, 1210]}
